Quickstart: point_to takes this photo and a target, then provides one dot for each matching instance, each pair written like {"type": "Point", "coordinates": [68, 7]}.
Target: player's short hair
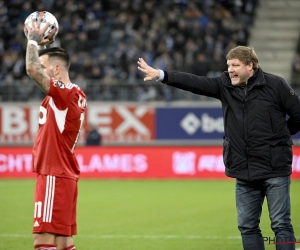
{"type": "Point", "coordinates": [245, 54]}
{"type": "Point", "coordinates": [57, 53]}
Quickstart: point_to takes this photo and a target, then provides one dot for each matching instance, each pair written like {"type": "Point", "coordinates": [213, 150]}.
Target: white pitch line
{"type": "Point", "coordinates": [136, 236]}
{"type": "Point", "coordinates": [159, 237]}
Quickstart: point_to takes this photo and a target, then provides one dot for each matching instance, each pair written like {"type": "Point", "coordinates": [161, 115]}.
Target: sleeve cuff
{"type": "Point", "coordinates": [161, 75]}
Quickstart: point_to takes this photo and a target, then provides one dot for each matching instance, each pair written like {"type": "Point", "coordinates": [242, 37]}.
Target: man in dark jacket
{"type": "Point", "coordinates": [257, 148]}
{"type": "Point", "coordinates": [93, 137]}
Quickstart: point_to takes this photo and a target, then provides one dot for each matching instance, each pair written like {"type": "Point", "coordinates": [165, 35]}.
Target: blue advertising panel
{"type": "Point", "coordinates": [189, 123]}
{"type": "Point", "coordinates": [193, 124]}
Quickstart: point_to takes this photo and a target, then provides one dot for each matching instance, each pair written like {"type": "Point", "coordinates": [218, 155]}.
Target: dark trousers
{"type": "Point", "coordinates": [249, 200]}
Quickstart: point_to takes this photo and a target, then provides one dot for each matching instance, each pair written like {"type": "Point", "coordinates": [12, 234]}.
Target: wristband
{"type": "Point", "coordinates": [32, 42]}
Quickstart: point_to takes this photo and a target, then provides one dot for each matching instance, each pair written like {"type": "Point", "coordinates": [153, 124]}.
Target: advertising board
{"type": "Point", "coordinates": [134, 162]}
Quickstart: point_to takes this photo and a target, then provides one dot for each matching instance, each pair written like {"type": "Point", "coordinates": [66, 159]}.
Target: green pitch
{"type": "Point", "coordinates": [140, 215]}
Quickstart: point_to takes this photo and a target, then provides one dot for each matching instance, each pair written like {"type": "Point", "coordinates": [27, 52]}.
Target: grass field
{"type": "Point", "coordinates": [140, 215]}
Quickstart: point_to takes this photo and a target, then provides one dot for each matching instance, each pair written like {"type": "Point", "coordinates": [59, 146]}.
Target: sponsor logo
{"type": "Point", "coordinates": [59, 84]}
{"type": "Point", "coordinates": [190, 163]}
{"type": "Point", "coordinates": [122, 163]}
{"type": "Point", "coordinates": [18, 124]}
{"type": "Point", "coordinates": [191, 124]}
{"type": "Point", "coordinates": [184, 163]}
{"type": "Point", "coordinates": [116, 123]}
{"type": "Point", "coordinates": [123, 124]}
{"type": "Point", "coordinates": [36, 224]}
{"type": "Point", "coordinates": [15, 163]}
{"type": "Point", "coordinates": [169, 162]}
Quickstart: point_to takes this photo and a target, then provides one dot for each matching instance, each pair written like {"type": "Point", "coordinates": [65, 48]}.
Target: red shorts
{"type": "Point", "coordinates": [55, 201]}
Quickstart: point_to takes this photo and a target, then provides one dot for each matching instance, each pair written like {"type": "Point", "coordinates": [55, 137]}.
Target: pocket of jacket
{"type": "Point", "coordinates": [276, 118]}
{"type": "Point", "coordinates": [227, 158]}
{"type": "Point", "coordinates": [281, 154]}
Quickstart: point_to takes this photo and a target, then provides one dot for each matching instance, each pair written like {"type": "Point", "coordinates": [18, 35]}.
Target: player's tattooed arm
{"type": "Point", "coordinates": [35, 69]}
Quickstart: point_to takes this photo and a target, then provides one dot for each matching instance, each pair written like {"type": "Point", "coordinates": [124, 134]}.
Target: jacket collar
{"type": "Point", "coordinates": [257, 78]}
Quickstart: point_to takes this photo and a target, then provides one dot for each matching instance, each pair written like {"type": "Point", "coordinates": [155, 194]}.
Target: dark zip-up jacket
{"type": "Point", "coordinates": [257, 142]}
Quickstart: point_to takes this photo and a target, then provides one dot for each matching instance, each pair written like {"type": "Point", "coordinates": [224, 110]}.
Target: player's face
{"type": "Point", "coordinates": [239, 72]}
{"type": "Point", "coordinates": [47, 65]}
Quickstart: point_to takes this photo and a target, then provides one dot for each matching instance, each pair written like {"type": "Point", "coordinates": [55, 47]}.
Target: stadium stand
{"type": "Point", "coordinates": [105, 38]}
{"type": "Point", "coordinates": [274, 36]}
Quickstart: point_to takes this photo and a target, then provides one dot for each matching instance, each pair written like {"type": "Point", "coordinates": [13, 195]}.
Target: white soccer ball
{"type": "Point", "coordinates": [47, 17]}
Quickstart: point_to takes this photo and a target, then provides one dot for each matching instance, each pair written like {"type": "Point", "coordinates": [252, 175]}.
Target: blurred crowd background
{"type": "Point", "coordinates": [106, 38]}
{"type": "Point", "coordinates": [296, 67]}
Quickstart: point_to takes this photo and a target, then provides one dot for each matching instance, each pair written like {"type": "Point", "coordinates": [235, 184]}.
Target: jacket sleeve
{"type": "Point", "coordinates": [291, 103]}
{"type": "Point", "coordinates": [200, 85]}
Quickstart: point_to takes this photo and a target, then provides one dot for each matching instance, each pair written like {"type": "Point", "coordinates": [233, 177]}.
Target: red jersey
{"type": "Point", "coordinates": [60, 123]}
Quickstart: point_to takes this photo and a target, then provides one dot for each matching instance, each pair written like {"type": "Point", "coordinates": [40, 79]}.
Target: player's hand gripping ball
{"type": "Point", "coordinates": [46, 17]}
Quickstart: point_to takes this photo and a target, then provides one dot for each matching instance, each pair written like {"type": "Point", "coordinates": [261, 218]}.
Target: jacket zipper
{"type": "Point", "coordinates": [245, 126]}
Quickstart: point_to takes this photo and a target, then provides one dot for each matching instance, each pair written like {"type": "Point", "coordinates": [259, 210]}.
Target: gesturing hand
{"type": "Point", "coordinates": [151, 73]}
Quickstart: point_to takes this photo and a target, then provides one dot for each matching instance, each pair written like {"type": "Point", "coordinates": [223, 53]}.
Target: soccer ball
{"type": "Point", "coordinates": [47, 17]}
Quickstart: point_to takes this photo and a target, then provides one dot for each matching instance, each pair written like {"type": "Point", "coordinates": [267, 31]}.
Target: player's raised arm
{"type": "Point", "coordinates": [150, 73]}
{"type": "Point", "coordinates": [34, 68]}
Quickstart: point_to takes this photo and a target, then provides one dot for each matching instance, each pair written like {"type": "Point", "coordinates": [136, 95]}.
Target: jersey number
{"type": "Point", "coordinates": [43, 117]}
{"type": "Point", "coordinates": [37, 209]}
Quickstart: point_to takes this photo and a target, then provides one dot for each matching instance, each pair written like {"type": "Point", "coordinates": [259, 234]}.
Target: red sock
{"type": "Point", "coordinates": [45, 247]}
{"type": "Point", "coordinates": [72, 247]}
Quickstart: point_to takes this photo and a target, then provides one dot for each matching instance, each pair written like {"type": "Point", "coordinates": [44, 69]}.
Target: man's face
{"type": "Point", "coordinates": [47, 65]}
{"type": "Point", "coordinates": [239, 73]}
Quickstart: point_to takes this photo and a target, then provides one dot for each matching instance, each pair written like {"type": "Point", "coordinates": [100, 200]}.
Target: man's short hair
{"type": "Point", "coordinates": [245, 54]}
{"type": "Point", "coordinates": [57, 53]}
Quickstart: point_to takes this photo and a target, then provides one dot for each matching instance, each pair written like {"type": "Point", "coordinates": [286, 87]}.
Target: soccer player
{"type": "Point", "coordinates": [60, 122]}
{"type": "Point", "coordinates": [257, 145]}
